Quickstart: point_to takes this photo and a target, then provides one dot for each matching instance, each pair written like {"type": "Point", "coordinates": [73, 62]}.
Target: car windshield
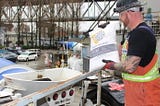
{"type": "Point", "coordinates": [24, 53]}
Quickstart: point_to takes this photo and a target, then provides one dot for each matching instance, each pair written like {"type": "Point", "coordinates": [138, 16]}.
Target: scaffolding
{"type": "Point", "coordinates": [52, 20]}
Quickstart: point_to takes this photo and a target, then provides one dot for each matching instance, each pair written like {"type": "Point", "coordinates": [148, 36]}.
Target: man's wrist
{"type": "Point", "coordinates": [119, 67]}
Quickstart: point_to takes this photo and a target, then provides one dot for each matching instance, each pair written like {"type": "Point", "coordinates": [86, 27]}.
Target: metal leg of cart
{"type": "Point", "coordinates": [85, 85]}
{"type": "Point", "coordinates": [99, 89]}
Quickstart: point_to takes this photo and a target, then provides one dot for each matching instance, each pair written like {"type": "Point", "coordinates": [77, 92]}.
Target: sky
{"type": "Point", "coordinates": [154, 4]}
{"type": "Point", "coordinates": [84, 26]}
{"type": "Point", "coordinates": [94, 11]}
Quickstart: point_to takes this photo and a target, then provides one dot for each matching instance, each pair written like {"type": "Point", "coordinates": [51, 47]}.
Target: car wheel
{"type": "Point", "coordinates": [36, 58]}
{"type": "Point", "coordinates": [27, 59]}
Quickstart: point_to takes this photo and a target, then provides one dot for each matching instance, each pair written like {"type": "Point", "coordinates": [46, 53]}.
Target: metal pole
{"type": "Point", "coordinates": [99, 89]}
{"type": "Point", "coordinates": [85, 86]}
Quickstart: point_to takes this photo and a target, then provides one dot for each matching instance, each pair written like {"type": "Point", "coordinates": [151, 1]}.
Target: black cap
{"type": "Point", "coordinates": [123, 5]}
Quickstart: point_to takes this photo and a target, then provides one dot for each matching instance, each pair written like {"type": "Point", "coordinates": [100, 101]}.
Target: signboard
{"type": "Point", "coordinates": [103, 45]}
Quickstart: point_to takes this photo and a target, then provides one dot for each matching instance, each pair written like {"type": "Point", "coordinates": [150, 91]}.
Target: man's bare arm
{"type": "Point", "coordinates": [129, 65]}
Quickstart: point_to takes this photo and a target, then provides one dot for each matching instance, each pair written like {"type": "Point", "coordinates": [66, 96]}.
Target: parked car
{"type": "Point", "coordinates": [38, 51]}
{"type": "Point", "coordinates": [8, 55]}
{"type": "Point", "coordinates": [16, 51]}
{"type": "Point", "coordinates": [26, 56]}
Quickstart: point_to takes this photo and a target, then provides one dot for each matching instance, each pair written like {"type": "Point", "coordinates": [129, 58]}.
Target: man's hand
{"type": "Point", "coordinates": [109, 64]}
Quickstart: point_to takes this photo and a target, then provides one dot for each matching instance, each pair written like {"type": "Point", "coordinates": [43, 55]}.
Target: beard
{"type": "Point", "coordinates": [125, 21]}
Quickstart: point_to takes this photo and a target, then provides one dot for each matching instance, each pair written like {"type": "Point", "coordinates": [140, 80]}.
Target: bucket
{"type": "Point", "coordinates": [27, 82]}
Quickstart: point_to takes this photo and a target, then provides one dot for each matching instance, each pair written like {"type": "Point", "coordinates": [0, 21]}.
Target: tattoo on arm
{"type": "Point", "coordinates": [129, 65]}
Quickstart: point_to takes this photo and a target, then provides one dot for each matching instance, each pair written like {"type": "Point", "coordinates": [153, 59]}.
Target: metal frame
{"type": "Point", "coordinates": [60, 17]}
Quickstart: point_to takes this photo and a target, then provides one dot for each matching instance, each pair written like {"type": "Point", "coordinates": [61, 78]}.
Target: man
{"type": "Point", "coordinates": [139, 61]}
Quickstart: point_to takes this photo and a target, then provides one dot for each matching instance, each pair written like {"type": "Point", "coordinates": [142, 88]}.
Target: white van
{"type": "Point", "coordinates": [26, 56]}
{"type": "Point", "coordinates": [37, 51]}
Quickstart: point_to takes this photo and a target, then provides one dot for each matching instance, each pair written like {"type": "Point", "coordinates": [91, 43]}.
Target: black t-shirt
{"type": "Point", "coordinates": [142, 43]}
